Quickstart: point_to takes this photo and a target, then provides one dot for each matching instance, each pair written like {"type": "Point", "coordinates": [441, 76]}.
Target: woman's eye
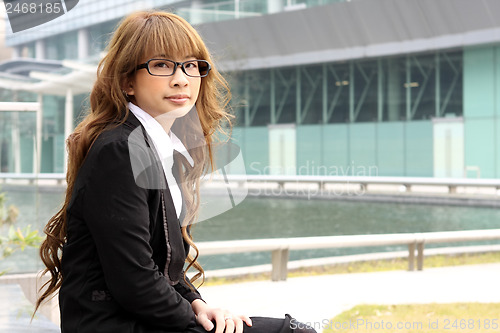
{"type": "Point", "coordinates": [162, 65]}
{"type": "Point", "coordinates": [191, 65]}
{"type": "Point", "coordinates": [159, 64]}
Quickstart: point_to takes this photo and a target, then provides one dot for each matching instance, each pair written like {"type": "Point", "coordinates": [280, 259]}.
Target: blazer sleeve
{"type": "Point", "coordinates": [117, 213]}
{"type": "Point", "coordinates": [183, 288]}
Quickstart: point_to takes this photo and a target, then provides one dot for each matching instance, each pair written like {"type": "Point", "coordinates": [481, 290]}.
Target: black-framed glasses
{"type": "Point", "coordinates": [166, 67]}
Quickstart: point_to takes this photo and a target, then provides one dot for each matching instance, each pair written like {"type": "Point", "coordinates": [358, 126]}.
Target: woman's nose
{"type": "Point", "coordinates": [179, 78]}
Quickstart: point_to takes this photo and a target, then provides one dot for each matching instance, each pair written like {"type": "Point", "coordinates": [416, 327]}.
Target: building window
{"type": "Point", "coordinates": [403, 88]}
{"type": "Point", "coordinates": [64, 46]}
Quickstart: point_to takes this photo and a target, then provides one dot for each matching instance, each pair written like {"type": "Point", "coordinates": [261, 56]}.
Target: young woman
{"type": "Point", "coordinates": [117, 248]}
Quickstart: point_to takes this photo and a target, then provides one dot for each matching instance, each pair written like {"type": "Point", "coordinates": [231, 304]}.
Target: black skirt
{"type": "Point", "coordinates": [266, 325]}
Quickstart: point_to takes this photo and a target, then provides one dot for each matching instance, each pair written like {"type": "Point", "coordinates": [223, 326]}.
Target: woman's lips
{"type": "Point", "coordinates": [178, 99]}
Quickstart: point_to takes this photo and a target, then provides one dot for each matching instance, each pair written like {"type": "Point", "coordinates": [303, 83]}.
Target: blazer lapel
{"type": "Point", "coordinates": [175, 245]}
{"type": "Point", "coordinates": [176, 169]}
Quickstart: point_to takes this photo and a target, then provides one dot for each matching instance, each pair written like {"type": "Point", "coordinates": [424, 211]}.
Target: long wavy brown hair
{"type": "Point", "coordinates": [137, 36]}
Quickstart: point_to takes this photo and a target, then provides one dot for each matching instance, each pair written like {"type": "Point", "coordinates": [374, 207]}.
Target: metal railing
{"type": "Point", "coordinates": [364, 181]}
{"type": "Point", "coordinates": [33, 176]}
{"type": "Point", "coordinates": [280, 247]}
{"type": "Point", "coordinates": [60, 178]}
{"type": "Point", "coordinates": [321, 181]}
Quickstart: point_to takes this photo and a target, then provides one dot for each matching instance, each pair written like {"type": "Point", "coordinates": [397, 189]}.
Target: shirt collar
{"type": "Point", "coordinates": [153, 128]}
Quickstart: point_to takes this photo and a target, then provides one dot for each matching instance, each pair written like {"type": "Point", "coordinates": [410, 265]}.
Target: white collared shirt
{"type": "Point", "coordinates": [165, 145]}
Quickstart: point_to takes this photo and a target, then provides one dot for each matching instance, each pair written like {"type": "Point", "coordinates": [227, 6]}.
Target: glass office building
{"type": "Point", "coordinates": [360, 87]}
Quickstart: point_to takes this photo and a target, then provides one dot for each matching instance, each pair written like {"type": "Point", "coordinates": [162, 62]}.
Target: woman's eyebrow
{"type": "Point", "coordinates": [167, 57]}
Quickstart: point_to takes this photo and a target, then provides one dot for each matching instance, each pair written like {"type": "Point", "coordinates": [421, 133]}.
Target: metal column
{"type": "Point", "coordinates": [37, 162]}
{"type": "Point", "coordinates": [324, 118]}
{"type": "Point", "coordinates": [68, 122]}
{"type": "Point", "coordinates": [380, 99]}
{"type": "Point", "coordinates": [351, 91]}
{"type": "Point", "coordinates": [273, 96]}
{"type": "Point", "coordinates": [298, 90]}
{"type": "Point", "coordinates": [408, 88]}
{"type": "Point", "coordinates": [438, 86]}
{"type": "Point", "coordinates": [247, 101]}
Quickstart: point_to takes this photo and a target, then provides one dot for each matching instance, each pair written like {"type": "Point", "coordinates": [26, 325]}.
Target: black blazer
{"type": "Point", "coordinates": [124, 255]}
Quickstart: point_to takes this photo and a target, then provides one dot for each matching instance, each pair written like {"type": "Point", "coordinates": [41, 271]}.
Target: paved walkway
{"type": "Point", "coordinates": [318, 298]}
{"type": "Point", "coordinates": [16, 310]}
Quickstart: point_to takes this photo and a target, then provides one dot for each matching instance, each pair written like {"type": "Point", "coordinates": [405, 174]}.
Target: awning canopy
{"type": "Point", "coordinates": [53, 78]}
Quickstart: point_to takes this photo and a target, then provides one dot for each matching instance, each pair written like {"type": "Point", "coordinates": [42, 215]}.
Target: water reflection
{"type": "Point", "coordinates": [274, 218]}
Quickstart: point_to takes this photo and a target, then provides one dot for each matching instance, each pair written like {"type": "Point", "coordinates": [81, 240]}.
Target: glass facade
{"type": "Point", "coordinates": [404, 88]}
{"type": "Point", "coordinates": [60, 47]}
{"type": "Point", "coordinates": [360, 117]}
{"type": "Point", "coordinates": [215, 10]}
{"type": "Point", "coordinates": [387, 116]}
{"type": "Point", "coordinates": [17, 129]}
{"type": "Point", "coordinates": [482, 110]}
{"type": "Point", "coordinates": [211, 11]}
{"type": "Point", "coordinates": [99, 36]}
{"type": "Point", "coordinates": [373, 113]}
{"type": "Point", "coordinates": [355, 149]}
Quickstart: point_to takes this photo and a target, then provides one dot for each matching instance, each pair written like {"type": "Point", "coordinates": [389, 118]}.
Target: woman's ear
{"type": "Point", "coordinates": [128, 88]}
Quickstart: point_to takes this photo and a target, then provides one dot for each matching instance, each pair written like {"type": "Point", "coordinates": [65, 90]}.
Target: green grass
{"type": "Point", "coordinates": [367, 266]}
{"type": "Point", "coordinates": [421, 318]}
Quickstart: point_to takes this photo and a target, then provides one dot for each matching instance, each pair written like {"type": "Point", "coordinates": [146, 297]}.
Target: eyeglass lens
{"type": "Point", "coordinates": [166, 67]}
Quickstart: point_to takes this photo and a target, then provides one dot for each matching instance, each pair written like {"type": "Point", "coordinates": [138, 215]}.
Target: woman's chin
{"type": "Point", "coordinates": [177, 112]}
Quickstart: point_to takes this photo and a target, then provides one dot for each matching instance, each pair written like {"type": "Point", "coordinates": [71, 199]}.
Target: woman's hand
{"type": "Point", "coordinates": [225, 321]}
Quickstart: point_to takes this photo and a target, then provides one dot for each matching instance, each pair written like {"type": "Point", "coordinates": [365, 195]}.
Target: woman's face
{"type": "Point", "coordinates": [159, 95]}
